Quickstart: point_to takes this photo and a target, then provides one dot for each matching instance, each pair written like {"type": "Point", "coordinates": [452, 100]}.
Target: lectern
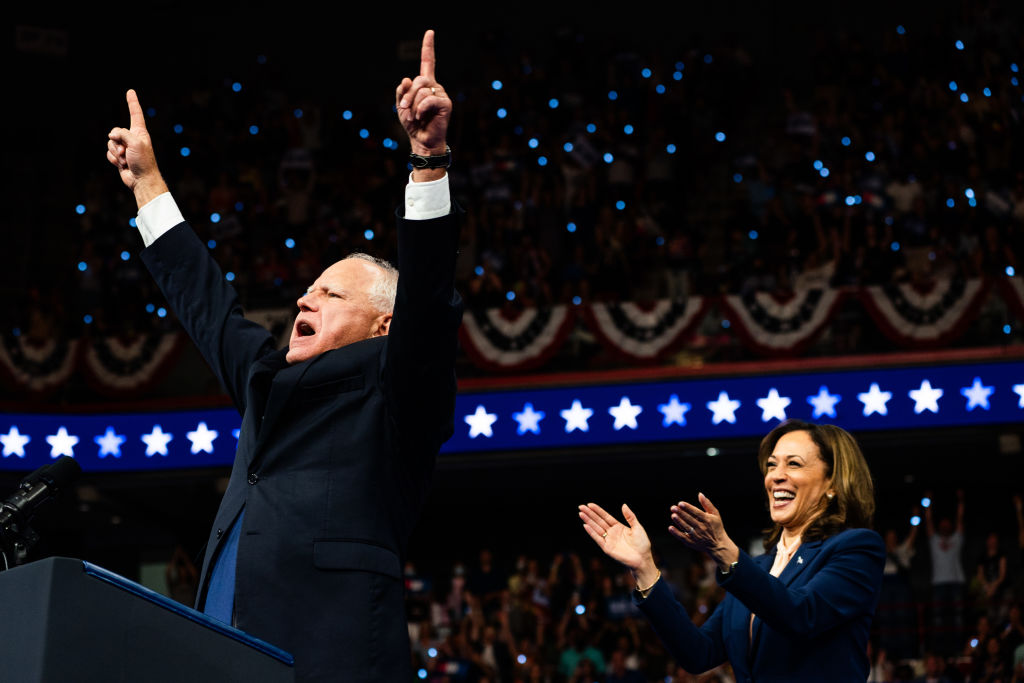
{"type": "Point", "coordinates": [69, 620]}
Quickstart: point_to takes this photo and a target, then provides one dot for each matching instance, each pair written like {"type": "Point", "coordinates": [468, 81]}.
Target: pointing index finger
{"type": "Point", "coordinates": [135, 111]}
{"type": "Point", "coordinates": [427, 61]}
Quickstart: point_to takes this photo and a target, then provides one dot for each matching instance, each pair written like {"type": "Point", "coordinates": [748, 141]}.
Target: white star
{"type": "Point", "coordinates": [724, 409]}
{"type": "Point", "coordinates": [109, 443]}
{"type": "Point", "coordinates": [977, 394]}
{"type": "Point", "coordinates": [62, 443]}
{"type": "Point", "coordinates": [236, 433]}
{"type": "Point", "coordinates": [156, 441]}
{"type": "Point", "coordinates": [202, 439]}
{"type": "Point", "coordinates": [874, 400]}
{"type": "Point", "coordinates": [480, 422]}
{"type": "Point", "coordinates": [529, 419]}
{"type": "Point", "coordinates": [14, 443]}
{"type": "Point", "coordinates": [1017, 388]}
{"type": "Point", "coordinates": [925, 398]}
{"type": "Point", "coordinates": [674, 412]}
{"type": "Point", "coordinates": [824, 403]}
{"type": "Point", "coordinates": [576, 417]}
{"type": "Point", "coordinates": [773, 406]}
{"type": "Point", "coordinates": [625, 414]}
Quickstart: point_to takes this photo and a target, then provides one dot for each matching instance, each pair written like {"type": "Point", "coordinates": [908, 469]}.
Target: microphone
{"type": "Point", "coordinates": [33, 491]}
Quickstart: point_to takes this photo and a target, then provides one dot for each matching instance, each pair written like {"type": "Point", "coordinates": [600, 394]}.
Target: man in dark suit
{"type": "Point", "coordinates": [341, 429]}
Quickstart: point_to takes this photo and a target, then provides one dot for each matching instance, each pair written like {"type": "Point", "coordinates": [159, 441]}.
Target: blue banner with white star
{"type": "Point", "coordinates": [568, 417]}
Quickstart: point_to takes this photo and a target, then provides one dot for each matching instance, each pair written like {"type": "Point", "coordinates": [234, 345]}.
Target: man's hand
{"type": "Point", "coordinates": [424, 110]}
{"type": "Point", "coordinates": [131, 151]}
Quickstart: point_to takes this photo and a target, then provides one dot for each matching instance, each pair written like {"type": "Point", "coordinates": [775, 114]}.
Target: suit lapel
{"type": "Point", "coordinates": [800, 560]}
{"type": "Point", "coordinates": [281, 387]}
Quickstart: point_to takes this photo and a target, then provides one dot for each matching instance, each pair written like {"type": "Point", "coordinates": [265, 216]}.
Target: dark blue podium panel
{"type": "Point", "coordinates": [68, 620]}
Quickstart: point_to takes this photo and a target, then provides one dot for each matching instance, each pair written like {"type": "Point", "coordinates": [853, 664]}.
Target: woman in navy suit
{"type": "Point", "coordinates": [802, 611]}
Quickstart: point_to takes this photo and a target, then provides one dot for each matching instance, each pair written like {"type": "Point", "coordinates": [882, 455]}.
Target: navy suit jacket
{"type": "Point", "coordinates": [811, 622]}
{"type": "Point", "coordinates": [334, 457]}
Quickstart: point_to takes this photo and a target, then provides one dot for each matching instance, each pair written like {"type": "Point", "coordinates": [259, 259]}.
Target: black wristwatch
{"type": "Point", "coordinates": [433, 161]}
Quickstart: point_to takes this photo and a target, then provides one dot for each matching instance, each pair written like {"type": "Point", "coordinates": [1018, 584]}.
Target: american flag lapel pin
{"type": "Point", "coordinates": [799, 559]}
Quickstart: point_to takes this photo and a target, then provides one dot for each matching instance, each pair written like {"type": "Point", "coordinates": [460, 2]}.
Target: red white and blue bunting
{"type": "Point", "coordinates": [775, 326]}
{"type": "Point", "coordinates": [913, 318]}
{"type": "Point", "coordinates": [495, 340]}
{"type": "Point", "coordinates": [37, 367]}
{"type": "Point", "coordinates": [645, 333]}
{"type": "Point", "coordinates": [116, 367]}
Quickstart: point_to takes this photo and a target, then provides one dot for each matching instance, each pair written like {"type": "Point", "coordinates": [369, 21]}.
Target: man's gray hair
{"type": "Point", "coordinates": [385, 287]}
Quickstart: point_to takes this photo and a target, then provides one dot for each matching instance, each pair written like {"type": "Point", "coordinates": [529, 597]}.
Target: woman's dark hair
{"type": "Point", "coordinates": [853, 505]}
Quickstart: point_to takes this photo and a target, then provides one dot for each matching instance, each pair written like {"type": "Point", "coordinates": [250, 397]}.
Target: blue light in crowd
{"type": "Point", "coordinates": [161, 312]}
{"type": "Point", "coordinates": [521, 659]}
{"type": "Point", "coordinates": [974, 642]}
{"type": "Point", "coordinates": [215, 218]}
{"type": "Point", "coordinates": [677, 75]}
{"type": "Point", "coordinates": [986, 92]}
{"type": "Point", "coordinates": [253, 130]}
{"type": "Point", "coordinates": [211, 244]}
{"type": "Point", "coordinates": [542, 161]}
{"type": "Point", "coordinates": [363, 133]}
{"type": "Point", "coordinates": [496, 84]}
{"type": "Point", "coordinates": [969, 193]}
{"type": "Point", "coordinates": [707, 58]}
{"type": "Point", "coordinates": [620, 205]}
{"type": "Point", "coordinates": [660, 89]}
{"type": "Point", "coordinates": [926, 502]}
{"type": "Point", "coordinates": [236, 86]}
{"type": "Point", "coordinates": [720, 136]}
{"type": "Point", "coordinates": [150, 308]}
{"type": "Point", "coordinates": [347, 115]}
{"type": "Point", "coordinates": [133, 223]}
{"type": "Point", "coordinates": [567, 147]}
{"type": "Point", "coordinates": [823, 173]}
{"type": "Point", "coordinates": [510, 295]}
{"type": "Point", "coordinates": [726, 324]}
{"type": "Point", "coordinates": [737, 177]}
{"type": "Point", "coordinates": [577, 300]}
{"type": "Point", "coordinates": [178, 128]}
{"type": "Point", "coordinates": [87, 319]}
{"type": "Point", "coordinates": [591, 128]}
{"type": "Point", "coordinates": [239, 206]}
{"type": "Point", "coordinates": [1014, 81]}
{"type": "Point", "coordinates": [290, 243]}
{"type": "Point", "coordinates": [581, 610]}
{"type": "Point", "coordinates": [963, 97]}
{"type": "Point", "coordinates": [845, 141]}
{"type": "Point", "coordinates": [680, 66]}
{"type": "Point", "coordinates": [261, 59]}
{"type": "Point", "coordinates": [1010, 271]}
{"type": "Point", "coordinates": [571, 227]}
{"type": "Point", "coordinates": [389, 143]}
{"type": "Point", "coordinates": [959, 44]}
{"type": "Point", "coordinates": [80, 209]}
{"type": "Point", "coordinates": [532, 143]}
{"type": "Point", "coordinates": [16, 331]}
{"type": "Point", "coordinates": [613, 95]}
{"type": "Point", "coordinates": [368, 234]}
{"type": "Point", "coordinates": [479, 270]}
{"type": "Point", "coordinates": [1013, 67]}
{"type": "Point", "coordinates": [915, 520]}
{"type": "Point", "coordinates": [952, 86]}
{"type": "Point", "coordinates": [628, 129]}
{"type": "Point", "coordinates": [151, 112]}
{"type": "Point", "coordinates": [752, 234]}
{"type": "Point", "coordinates": [518, 130]}
{"type": "Point", "coordinates": [83, 266]}
{"type": "Point", "coordinates": [850, 201]}
{"type": "Point", "coordinates": [432, 652]}
{"type": "Point", "coordinates": [869, 156]}
{"type": "Point", "coordinates": [608, 158]}
{"type": "Point", "coordinates": [895, 246]}
{"type": "Point", "coordinates": [229, 276]}
{"type": "Point", "coordinates": [950, 203]}
{"type": "Point", "coordinates": [645, 72]}
{"type": "Point", "coordinates": [185, 151]}
{"type": "Point", "coordinates": [125, 256]}
{"type": "Point", "coordinates": [900, 30]}
{"type": "Point", "coordinates": [297, 113]}
{"type": "Point", "coordinates": [670, 148]}
{"type": "Point", "coordinates": [422, 673]}
{"type": "Point", "coordinates": [553, 103]}
{"type": "Point", "coordinates": [659, 240]}
{"type": "Point", "coordinates": [1007, 329]}
{"type": "Point", "coordinates": [502, 112]}
{"type": "Point", "coordinates": [818, 165]}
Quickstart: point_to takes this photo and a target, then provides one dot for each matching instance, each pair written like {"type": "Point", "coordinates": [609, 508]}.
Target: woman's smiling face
{"type": "Point", "coordinates": [796, 481]}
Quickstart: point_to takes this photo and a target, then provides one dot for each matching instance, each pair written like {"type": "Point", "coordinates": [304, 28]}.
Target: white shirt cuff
{"type": "Point", "coordinates": [427, 200]}
{"type": "Point", "coordinates": [157, 217]}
